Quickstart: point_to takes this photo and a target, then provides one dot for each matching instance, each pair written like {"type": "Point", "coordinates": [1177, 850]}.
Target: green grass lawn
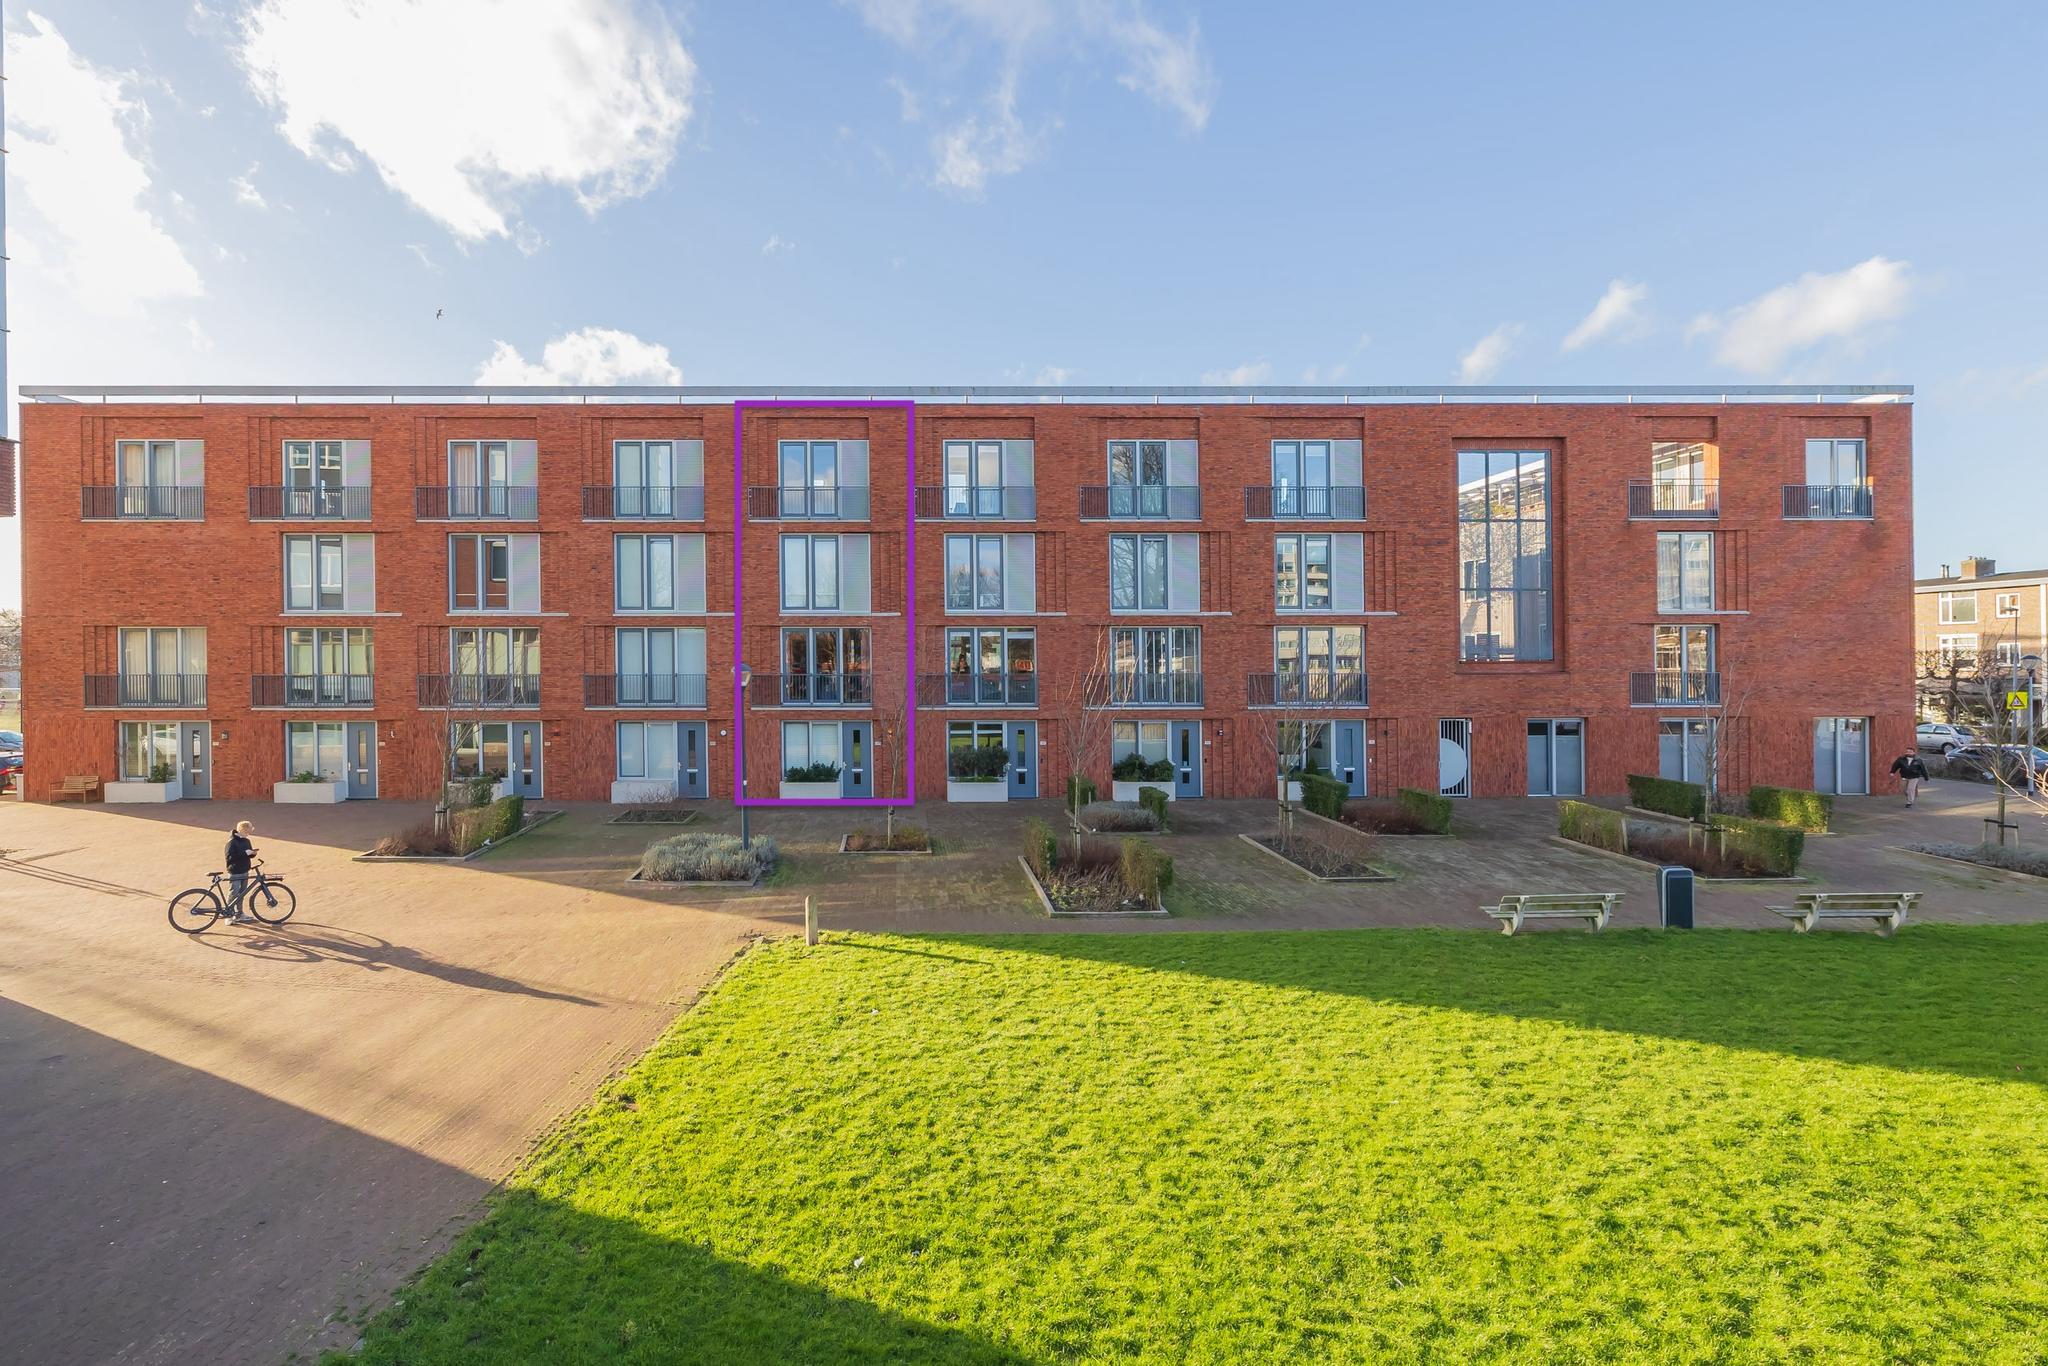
{"type": "Point", "coordinates": [1347, 1146]}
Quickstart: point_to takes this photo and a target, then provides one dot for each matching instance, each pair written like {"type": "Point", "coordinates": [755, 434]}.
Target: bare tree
{"type": "Point", "coordinates": [1283, 735]}
{"type": "Point", "coordinates": [1951, 682]}
{"type": "Point", "coordinates": [895, 747]}
{"type": "Point", "coordinates": [1083, 722]}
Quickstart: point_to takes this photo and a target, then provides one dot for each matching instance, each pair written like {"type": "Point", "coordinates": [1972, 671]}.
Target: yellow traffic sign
{"type": "Point", "coordinates": [2016, 701]}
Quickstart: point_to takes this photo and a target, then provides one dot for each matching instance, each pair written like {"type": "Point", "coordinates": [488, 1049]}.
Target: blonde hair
{"type": "Point", "coordinates": [243, 827]}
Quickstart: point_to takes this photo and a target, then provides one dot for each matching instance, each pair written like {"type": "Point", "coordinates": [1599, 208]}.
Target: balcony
{"type": "Point", "coordinates": [637, 502]}
{"type": "Point", "coordinates": [977, 690]}
{"type": "Point", "coordinates": [145, 690]}
{"type": "Point", "coordinates": [468, 502]}
{"type": "Point", "coordinates": [271, 503]}
{"type": "Point", "coordinates": [644, 690]}
{"type": "Point", "coordinates": [312, 690]}
{"type": "Point", "coordinates": [1674, 688]}
{"type": "Point", "coordinates": [808, 502]}
{"type": "Point", "coordinates": [1675, 499]}
{"type": "Point", "coordinates": [1140, 502]}
{"type": "Point", "coordinates": [1123, 689]}
{"type": "Point", "coordinates": [141, 503]}
{"type": "Point", "coordinates": [952, 503]}
{"type": "Point", "coordinates": [449, 691]}
{"type": "Point", "coordinates": [1316, 688]}
{"type": "Point", "coordinates": [1313, 502]}
{"type": "Point", "coordinates": [1827, 502]}
{"type": "Point", "coordinates": [811, 690]}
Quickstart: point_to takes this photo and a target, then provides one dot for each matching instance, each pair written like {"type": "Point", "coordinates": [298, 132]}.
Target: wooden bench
{"type": "Point", "coordinates": [1887, 908]}
{"type": "Point", "coordinates": [1596, 907]}
{"type": "Point", "coordinates": [83, 786]}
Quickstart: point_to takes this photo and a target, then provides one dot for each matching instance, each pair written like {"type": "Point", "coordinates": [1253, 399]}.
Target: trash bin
{"type": "Point", "coordinates": [1674, 898]}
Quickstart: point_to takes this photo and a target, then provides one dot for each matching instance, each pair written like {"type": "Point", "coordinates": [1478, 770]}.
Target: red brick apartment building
{"type": "Point", "coordinates": [1486, 592]}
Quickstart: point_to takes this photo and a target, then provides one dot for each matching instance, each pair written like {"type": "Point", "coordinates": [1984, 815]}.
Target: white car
{"type": "Point", "coordinates": [1943, 738]}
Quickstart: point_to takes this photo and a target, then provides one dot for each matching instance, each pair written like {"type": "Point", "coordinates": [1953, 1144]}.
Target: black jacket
{"type": "Point", "coordinates": [1909, 766]}
{"type": "Point", "coordinates": [239, 850]}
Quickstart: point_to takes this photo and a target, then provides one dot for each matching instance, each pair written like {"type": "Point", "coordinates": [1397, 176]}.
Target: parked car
{"type": "Point", "coordinates": [1942, 738]}
{"type": "Point", "coordinates": [10, 758]}
{"type": "Point", "coordinates": [1982, 761]}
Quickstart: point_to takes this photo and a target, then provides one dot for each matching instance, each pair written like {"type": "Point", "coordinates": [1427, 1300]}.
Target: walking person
{"type": "Point", "coordinates": [240, 852]}
{"type": "Point", "coordinates": [1912, 769]}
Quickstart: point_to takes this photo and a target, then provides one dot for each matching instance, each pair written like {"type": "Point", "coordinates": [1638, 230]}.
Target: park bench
{"type": "Point", "coordinates": [1596, 907]}
{"type": "Point", "coordinates": [1887, 908]}
{"type": "Point", "coordinates": [83, 786]}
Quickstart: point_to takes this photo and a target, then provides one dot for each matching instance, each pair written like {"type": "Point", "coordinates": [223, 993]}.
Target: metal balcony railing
{"type": "Point", "coordinates": [953, 503]}
{"type": "Point", "coordinates": [1823, 501]}
{"type": "Point", "coordinates": [808, 502]}
{"type": "Point", "coordinates": [479, 690]}
{"type": "Point", "coordinates": [475, 502]}
{"type": "Point", "coordinates": [1338, 503]}
{"type": "Point", "coordinates": [1316, 688]}
{"type": "Point", "coordinates": [811, 690]}
{"type": "Point", "coordinates": [977, 689]}
{"type": "Point", "coordinates": [644, 690]}
{"type": "Point", "coordinates": [312, 690]}
{"type": "Point", "coordinates": [1144, 690]}
{"type": "Point", "coordinates": [141, 502]}
{"type": "Point", "coordinates": [145, 690]}
{"type": "Point", "coordinates": [1169, 502]}
{"type": "Point", "coordinates": [1674, 688]}
{"type": "Point", "coordinates": [1675, 498]}
{"type": "Point", "coordinates": [335, 503]}
{"type": "Point", "coordinates": [635, 502]}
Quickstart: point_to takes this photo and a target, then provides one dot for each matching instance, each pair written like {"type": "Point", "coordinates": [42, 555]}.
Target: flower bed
{"type": "Point", "coordinates": [1379, 816]}
{"type": "Point", "coordinates": [701, 858]}
{"type": "Point", "coordinates": [653, 814]}
{"type": "Point", "coordinates": [1326, 853]}
{"type": "Point", "coordinates": [903, 839]}
{"type": "Point", "coordinates": [471, 831]}
{"type": "Point", "coordinates": [2032, 862]}
{"type": "Point", "coordinates": [1127, 877]}
{"type": "Point", "coordinates": [1120, 818]}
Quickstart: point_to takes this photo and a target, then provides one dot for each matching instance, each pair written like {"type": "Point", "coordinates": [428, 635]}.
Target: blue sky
{"type": "Point", "coordinates": [1089, 191]}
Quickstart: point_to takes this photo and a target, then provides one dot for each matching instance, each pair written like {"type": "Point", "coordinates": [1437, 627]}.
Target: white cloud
{"type": "Point", "coordinates": [906, 99]}
{"type": "Point", "coordinates": [1053, 374]}
{"type": "Point", "coordinates": [1239, 376]}
{"type": "Point", "coordinates": [587, 95]}
{"type": "Point", "coordinates": [592, 355]}
{"type": "Point", "coordinates": [1759, 335]}
{"type": "Point", "coordinates": [1618, 314]}
{"type": "Point", "coordinates": [981, 146]}
{"type": "Point", "coordinates": [78, 157]}
{"type": "Point", "coordinates": [1479, 364]}
{"type": "Point", "coordinates": [776, 244]}
{"type": "Point", "coordinates": [244, 186]}
{"type": "Point", "coordinates": [1169, 71]}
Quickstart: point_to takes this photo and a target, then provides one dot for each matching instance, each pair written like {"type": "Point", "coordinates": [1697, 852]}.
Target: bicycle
{"type": "Point", "coordinates": [196, 908]}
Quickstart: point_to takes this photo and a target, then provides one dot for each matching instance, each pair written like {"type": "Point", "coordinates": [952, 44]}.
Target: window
{"type": "Point", "coordinates": [810, 573]}
{"type": "Point", "coordinates": [658, 573]}
{"type": "Point", "coordinates": [485, 466]}
{"type": "Point", "coordinates": [1960, 609]}
{"type": "Point", "coordinates": [1304, 746]}
{"type": "Point", "coordinates": [649, 749]}
{"type": "Point", "coordinates": [1557, 758]}
{"type": "Point", "coordinates": [314, 747]}
{"type": "Point", "coordinates": [163, 666]}
{"type": "Point", "coordinates": [1957, 650]}
{"type": "Point", "coordinates": [974, 573]}
{"type": "Point", "coordinates": [1685, 749]}
{"type": "Point", "coordinates": [1147, 738]}
{"type": "Point", "coordinates": [1301, 478]}
{"type": "Point", "coordinates": [810, 742]}
{"type": "Point", "coordinates": [1318, 664]}
{"type": "Point", "coordinates": [822, 479]}
{"type": "Point", "coordinates": [2007, 605]}
{"type": "Point", "coordinates": [659, 666]}
{"type": "Point", "coordinates": [1301, 573]}
{"type": "Point", "coordinates": [480, 571]}
{"type": "Point", "coordinates": [1841, 755]}
{"type": "Point", "coordinates": [1157, 665]}
{"type": "Point", "coordinates": [148, 479]}
{"type": "Point", "coordinates": [973, 735]}
{"type": "Point", "coordinates": [1137, 479]}
{"type": "Point", "coordinates": [494, 666]}
{"type": "Point", "coordinates": [974, 478]}
{"type": "Point", "coordinates": [2008, 654]}
{"type": "Point", "coordinates": [314, 580]}
{"type": "Point", "coordinates": [1504, 555]}
{"type": "Point", "coordinates": [1834, 464]}
{"type": "Point", "coordinates": [1685, 571]}
{"type": "Point", "coordinates": [826, 666]}
{"type": "Point", "coordinates": [144, 745]}
{"type": "Point", "coordinates": [1684, 665]}
{"type": "Point", "coordinates": [657, 479]}
{"type": "Point", "coordinates": [1682, 480]}
{"type": "Point", "coordinates": [1138, 576]}
{"type": "Point", "coordinates": [480, 749]}
{"type": "Point", "coordinates": [313, 478]}
{"type": "Point", "coordinates": [991, 665]}
{"type": "Point", "coordinates": [327, 666]}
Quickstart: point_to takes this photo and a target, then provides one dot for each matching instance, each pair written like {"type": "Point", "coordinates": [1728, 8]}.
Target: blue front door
{"type": "Point", "coordinates": [692, 774]}
{"type": "Point", "coordinates": [1023, 759]}
{"type": "Point", "coordinates": [1184, 748]}
{"type": "Point", "coordinates": [523, 762]}
{"type": "Point", "coordinates": [1347, 755]}
{"type": "Point", "coordinates": [856, 760]}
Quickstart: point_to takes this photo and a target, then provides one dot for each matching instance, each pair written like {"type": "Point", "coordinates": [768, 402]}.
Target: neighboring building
{"type": "Point", "coordinates": [1458, 591]}
{"type": "Point", "coordinates": [1976, 622]}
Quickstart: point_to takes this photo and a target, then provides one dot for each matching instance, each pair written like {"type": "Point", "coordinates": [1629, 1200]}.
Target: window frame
{"type": "Point", "coordinates": [1300, 542]}
{"type": "Point", "coordinates": [151, 732]}
{"type": "Point", "coordinates": [1144, 600]}
{"type": "Point", "coordinates": [1945, 608]}
{"type": "Point", "coordinates": [481, 547]}
{"type": "Point", "coordinates": [1483, 645]}
{"type": "Point", "coordinates": [810, 542]}
{"type": "Point", "coordinates": [1686, 596]}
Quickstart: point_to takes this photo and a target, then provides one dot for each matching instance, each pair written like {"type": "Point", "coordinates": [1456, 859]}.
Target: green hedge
{"type": "Point", "coordinates": [1080, 792]}
{"type": "Point", "coordinates": [1323, 795]}
{"type": "Point", "coordinates": [1667, 795]}
{"type": "Point", "coordinates": [1136, 768]}
{"type": "Point", "coordinates": [1143, 870]}
{"type": "Point", "coordinates": [480, 825]}
{"type": "Point", "coordinates": [1431, 808]}
{"type": "Point", "coordinates": [1595, 825]}
{"type": "Point", "coordinates": [1776, 847]}
{"type": "Point", "coordinates": [1810, 811]}
{"type": "Point", "coordinates": [978, 763]}
{"type": "Point", "coordinates": [1153, 799]}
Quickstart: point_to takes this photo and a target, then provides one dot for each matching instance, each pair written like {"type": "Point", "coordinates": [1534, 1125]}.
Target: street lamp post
{"type": "Point", "coordinates": [740, 756]}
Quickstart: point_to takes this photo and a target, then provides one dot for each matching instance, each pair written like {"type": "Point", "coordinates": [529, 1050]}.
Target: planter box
{"type": "Point", "coordinates": [958, 790]}
{"type": "Point", "coordinates": [140, 794]}
{"type": "Point", "coordinates": [458, 793]}
{"type": "Point", "coordinates": [1293, 793]}
{"type": "Point", "coordinates": [627, 791]}
{"type": "Point", "coordinates": [1157, 909]}
{"type": "Point", "coordinates": [1128, 792]}
{"type": "Point", "coordinates": [810, 791]}
{"type": "Point", "coordinates": [308, 794]}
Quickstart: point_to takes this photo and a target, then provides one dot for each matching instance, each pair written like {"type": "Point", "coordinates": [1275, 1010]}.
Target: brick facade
{"type": "Point", "coordinates": [1813, 617]}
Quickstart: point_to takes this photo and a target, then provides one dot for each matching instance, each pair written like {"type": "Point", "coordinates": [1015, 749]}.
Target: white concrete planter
{"type": "Point", "coordinates": [1293, 791]}
{"type": "Point", "coordinates": [458, 792]}
{"type": "Point", "coordinates": [809, 791]}
{"type": "Point", "coordinates": [961, 790]}
{"type": "Point", "coordinates": [626, 791]}
{"type": "Point", "coordinates": [308, 794]}
{"type": "Point", "coordinates": [1128, 792]}
{"type": "Point", "coordinates": [140, 794]}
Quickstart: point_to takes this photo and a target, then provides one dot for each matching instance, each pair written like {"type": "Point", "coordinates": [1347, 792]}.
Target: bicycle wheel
{"type": "Point", "coordinates": [194, 910]}
{"type": "Point", "coordinates": [272, 903]}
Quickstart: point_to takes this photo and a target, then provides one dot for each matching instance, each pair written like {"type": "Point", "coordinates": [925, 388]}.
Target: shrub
{"type": "Point", "coordinates": [1143, 871]}
{"type": "Point", "coordinates": [1041, 849]}
{"type": "Point", "coordinates": [1668, 795]}
{"type": "Point", "coordinates": [978, 764]}
{"type": "Point", "coordinates": [906, 837]}
{"type": "Point", "coordinates": [1431, 808]}
{"type": "Point", "coordinates": [1379, 816]}
{"type": "Point", "coordinates": [163, 771]}
{"type": "Point", "coordinates": [478, 826]}
{"type": "Point", "coordinates": [823, 771]}
{"type": "Point", "coordinates": [1080, 792]}
{"type": "Point", "coordinates": [416, 840]}
{"type": "Point", "coordinates": [699, 856]}
{"type": "Point", "coordinates": [1811, 811]}
{"type": "Point", "coordinates": [1595, 825]}
{"type": "Point", "coordinates": [1153, 800]}
{"type": "Point", "coordinates": [1996, 856]}
{"type": "Point", "coordinates": [1136, 768]}
{"type": "Point", "coordinates": [1324, 796]}
{"type": "Point", "coordinates": [1667, 844]}
{"type": "Point", "coordinates": [1113, 817]}
{"type": "Point", "coordinates": [1773, 847]}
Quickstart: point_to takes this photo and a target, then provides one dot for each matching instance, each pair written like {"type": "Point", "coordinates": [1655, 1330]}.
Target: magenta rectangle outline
{"type": "Point", "coordinates": [739, 531]}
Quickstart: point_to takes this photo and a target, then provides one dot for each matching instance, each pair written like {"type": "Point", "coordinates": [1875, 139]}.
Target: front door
{"type": "Point", "coordinates": [524, 760]}
{"type": "Point", "coordinates": [1023, 759]}
{"type": "Point", "coordinates": [1347, 755]}
{"type": "Point", "coordinates": [856, 760]}
{"type": "Point", "coordinates": [361, 760]}
{"type": "Point", "coordinates": [1184, 747]}
{"type": "Point", "coordinates": [195, 760]}
{"type": "Point", "coordinates": [692, 776]}
{"type": "Point", "coordinates": [1454, 757]}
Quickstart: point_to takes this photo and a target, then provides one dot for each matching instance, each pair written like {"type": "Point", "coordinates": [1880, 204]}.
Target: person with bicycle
{"type": "Point", "coordinates": [239, 855]}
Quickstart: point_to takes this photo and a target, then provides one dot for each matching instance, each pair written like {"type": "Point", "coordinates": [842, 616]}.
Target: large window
{"type": "Point", "coordinates": [480, 749]}
{"type": "Point", "coordinates": [658, 573]}
{"type": "Point", "coordinates": [1138, 575]}
{"type": "Point", "coordinates": [148, 483]}
{"type": "Point", "coordinates": [315, 747]}
{"type": "Point", "coordinates": [484, 467]}
{"type": "Point", "coordinates": [480, 573]}
{"type": "Point", "coordinates": [1157, 665]}
{"type": "Point", "coordinates": [144, 745]}
{"type": "Point", "coordinates": [1685, 571]}
{"type": "Point", "coordinates": [652, 479]}
{"type": "Point", "coordinates": [810, 573]}
{"type": "Point", "coordinates": [1954, 649]}
{"type": "Point", "coordinates": [1557, 758]}
{"type": "Point", "coordinates": [1957, 609]}
{"type": "Point", "coordinates": [1835, 463]}
{"type": "Point", "coordinates": [810, 742]}
{"type": "Point", "coordinates": [659, 666]}
{"type": "Point", "coordinates": [313, 479]}
{"type": "Point", "coordinates": [1682, 481]}
{"type": "Point", "coordinates": [1137, 479]}
{"type": "Point", "coordinates": [1685, 749]}
{"type": "Point", "coordinates": [1147, 738]}
{"type": "Point", "coordinates": [1504, 555]}
{"type": "Point", "coordinates": [1841, 754]}
{"type": "Point", "coordinates": [826, 479]}
{"type": "Point", "coordinates": [1301, 479]}
{"type": "Point", "coordinates": [1318, 664]}
{"type": "Point", "coordinates": [972, 735]}
{"type": "Point", "coordinates": [974, 478]}
{"type": "Point", "coordinates": [827, 666]}
{"type": "Point", "coordinates": [974, 573]}
{"type": "Point", "coordinates": [494, 666]}
{"type": "Point", "coordinates": [1301, 573]}
{"type": "Point", "coordinates": [991, 665]}
{"type": "Point", "coordinates": [327, 666]}
{"type": "Point", "coordinates": [163, 665]}
{"type": "Point", "coordinates": [314, 578]}
{"type": "Point", "coordinates": [1683, 659]}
